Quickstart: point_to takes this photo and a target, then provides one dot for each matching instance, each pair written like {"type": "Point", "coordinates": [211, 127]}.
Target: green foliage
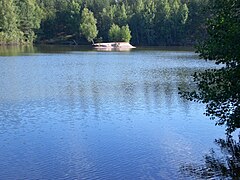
{"type": "Point", "coordinates": [125, 34]}
{"type": "Point", "coordinates": [29, 18]}
{"type": "Point", "coordinates": [118, 34]}
{"type": "Point", "coordinates": [138, 6]}
{"type": "Point", "coordinates": [152, 22]}
{"type": "Point", "coordinates": [105, 21]}
{"type": "Point", "coordinates": [19, 19]}
{"type": "Point", "coordinates": [163, 10]}
{"type": "Point", "coordinates": [120, 15]}
{"type": "Point", "coordinates": [195, 27]}
{"type": "Point", "coordinates": [175, 6]}
{"type": "Point", "coordinates": [9, 33]}
{"type": "Point", "coordinates": [8, 17]}
{"type": "Point", "coordinates": [223, 43]}
{"type": "Point", "coordinates": [149, 15]}
{"type": "Point", "coordinates": [183, 13]}
{"type": "Point", "coordinates": [88, 25]}
{"type": "Point", "coordinates": [61, 20]}
{"type": "Point", "coordinates": [114, 33]}
{"type": "Point", "coordinates": [220, 88]}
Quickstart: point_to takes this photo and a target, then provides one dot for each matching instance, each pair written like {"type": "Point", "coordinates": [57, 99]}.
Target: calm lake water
{"type": "Point", "coordinates": [81, 114]}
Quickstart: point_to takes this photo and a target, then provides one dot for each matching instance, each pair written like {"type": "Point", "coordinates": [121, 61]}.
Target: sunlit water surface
{"type": "Point", "coordinates": [100, 115]}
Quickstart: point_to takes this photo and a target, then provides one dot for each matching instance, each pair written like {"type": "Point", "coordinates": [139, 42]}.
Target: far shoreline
{"type": "Point", "coordinates": [59, 49]}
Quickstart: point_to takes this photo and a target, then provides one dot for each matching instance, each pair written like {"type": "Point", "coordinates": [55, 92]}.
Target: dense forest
{"type": "Point", "coordinates": [145, 22]}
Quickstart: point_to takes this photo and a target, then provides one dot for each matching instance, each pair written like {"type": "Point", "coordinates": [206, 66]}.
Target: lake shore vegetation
{"type": "Point", "coordinates": [149, 22]}
{"type": "Point", "coordinates": [220, 88]}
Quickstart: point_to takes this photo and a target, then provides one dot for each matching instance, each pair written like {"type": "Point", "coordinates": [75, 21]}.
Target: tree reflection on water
{"type": "Point", "coordinates": [226, 166]}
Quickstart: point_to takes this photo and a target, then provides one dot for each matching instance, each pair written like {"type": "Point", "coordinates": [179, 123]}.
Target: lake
{"type": "Point", "coordinates": [76, 113]}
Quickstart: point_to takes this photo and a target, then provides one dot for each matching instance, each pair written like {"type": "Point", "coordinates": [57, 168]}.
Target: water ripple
{"type": "Point", "coordinates": [99, 115]}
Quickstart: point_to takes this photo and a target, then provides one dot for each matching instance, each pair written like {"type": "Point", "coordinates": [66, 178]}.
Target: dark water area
{"type": "Point", "coordinates": [77, 113]}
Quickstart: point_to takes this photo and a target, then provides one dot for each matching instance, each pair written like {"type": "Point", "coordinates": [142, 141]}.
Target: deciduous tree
{"type": "Point", "coordinates": [125, 34]}
{"type": "Point", "coordinates": [9, 32]}
{"type": "Point", "coordinates": [114, 33]}
{"type": "Point", "coordinates": [220, 88]}
{"type": "Point", "coordinates": [88, 25]}
{"type": "Point", "coordinates": [29, 18]}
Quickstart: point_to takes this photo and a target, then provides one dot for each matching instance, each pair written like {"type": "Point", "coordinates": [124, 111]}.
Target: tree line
{"type": "Point", "coordinates": [145, 22]}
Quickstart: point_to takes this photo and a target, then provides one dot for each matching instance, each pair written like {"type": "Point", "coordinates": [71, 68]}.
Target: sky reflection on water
{"type": "Point", "coordinates": [100, 115]}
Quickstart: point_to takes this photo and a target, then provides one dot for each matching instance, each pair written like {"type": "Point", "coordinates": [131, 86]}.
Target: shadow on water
{"type": "Point", "coordinates": [226, 166]}
{"type": "Point", "coordinates": [16, 50]}
{"type": "Point", "coordinates": [28, 50]}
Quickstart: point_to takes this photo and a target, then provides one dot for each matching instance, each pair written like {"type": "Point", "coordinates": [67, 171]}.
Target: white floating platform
{"type": "Point", "coordinates": [113, 45]}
